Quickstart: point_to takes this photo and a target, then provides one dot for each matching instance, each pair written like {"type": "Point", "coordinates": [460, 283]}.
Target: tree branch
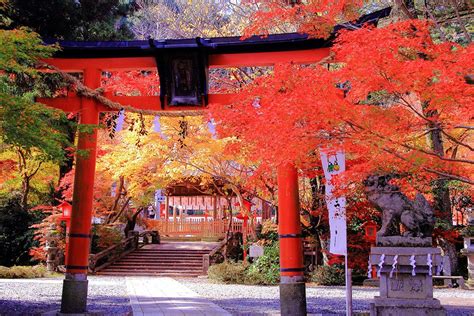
{"type": "Point", "coordinates": [124, 206]}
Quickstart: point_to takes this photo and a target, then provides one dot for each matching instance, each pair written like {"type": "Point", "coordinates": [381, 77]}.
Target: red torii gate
{"type": "Point", "coordinates": [91, 58]}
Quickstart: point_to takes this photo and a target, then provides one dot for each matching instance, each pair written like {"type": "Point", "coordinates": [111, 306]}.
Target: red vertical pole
{"type": "Point", "coordinates": [74, 295]}
{"type": "Point", "coordinates": [374, 267]}
{"type": "Point", "coordinates": [292, 286]}
{"type": "Point", "coordinates": [244, 237]}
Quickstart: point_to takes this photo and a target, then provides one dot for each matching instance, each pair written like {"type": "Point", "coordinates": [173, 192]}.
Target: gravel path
{"type": "Point", "coordinates": [264, 300]}
{"type": "Point", "coordinates": [109, 295]}
{"type": "Point", "coordinates": [36, 296]}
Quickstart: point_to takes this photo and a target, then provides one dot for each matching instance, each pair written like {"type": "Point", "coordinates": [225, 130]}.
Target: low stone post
{"type": "Point", "coordinates": [206, 262]}
{"type": "Point", "coordinates": [155, 237]}
{"type": "Point", "coordinates": [134, 234]}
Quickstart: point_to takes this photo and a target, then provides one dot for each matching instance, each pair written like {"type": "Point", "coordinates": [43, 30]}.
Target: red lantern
{"type": "Point", "coordinates": [370, 231]}
{"type": "Point", "coordinates": [66, 209]}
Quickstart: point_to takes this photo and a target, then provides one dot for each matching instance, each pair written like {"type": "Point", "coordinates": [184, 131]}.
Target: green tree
{"type": "Point", "coordinates": [16, 236]}
{"type": "Point", "coordinates": [31, 130]}
{"type": "Point", "coordinates": [86, 20]}
{"type": "Point", "coordinates": [186, 19]}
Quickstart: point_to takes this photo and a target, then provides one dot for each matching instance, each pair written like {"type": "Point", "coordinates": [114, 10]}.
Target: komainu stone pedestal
{"type": "Point", "coordinates": [406, 286]}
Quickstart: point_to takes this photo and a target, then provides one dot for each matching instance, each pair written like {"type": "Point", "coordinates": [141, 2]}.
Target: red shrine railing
{"type": "Point", "coordinates": [200, 228]}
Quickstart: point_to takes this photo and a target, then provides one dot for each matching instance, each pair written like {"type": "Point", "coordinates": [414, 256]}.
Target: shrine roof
{"type": "Point", "coordinates": [216, 45]}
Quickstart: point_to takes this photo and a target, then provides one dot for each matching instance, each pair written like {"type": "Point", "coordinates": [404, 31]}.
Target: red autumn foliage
{"type": "Point", "coordinates": [49, 229]}
{"type": "Point", "coordinates": [400, 86]}
{"type": "Point", "coordinates": [7, 168]}
{"type": "Point", "coordinates": [131, 83]}
{"type": "Point", "coordinates": [316, 18]}
{"type": "Point", "coordinates": [394, 100]}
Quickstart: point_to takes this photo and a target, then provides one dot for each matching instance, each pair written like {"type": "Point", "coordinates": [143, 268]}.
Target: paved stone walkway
{"type": "Point", "coordinates": [165, 296]}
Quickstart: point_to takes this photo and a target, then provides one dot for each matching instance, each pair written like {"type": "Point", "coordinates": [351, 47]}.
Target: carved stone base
{"type": "Point", "coordinates": [400, 241]}
{"type": "Point", "coordinates": [406, 307]}
{"type": "Point", "coordinates": [371, 282]}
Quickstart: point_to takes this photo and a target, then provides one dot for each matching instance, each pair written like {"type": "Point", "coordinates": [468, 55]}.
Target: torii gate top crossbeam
{"type": "Point", "coordinates": [183, 63]}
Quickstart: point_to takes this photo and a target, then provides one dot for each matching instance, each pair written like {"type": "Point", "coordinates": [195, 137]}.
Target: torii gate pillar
{"type": "Point", "coordinates": [74, 296]}
{"type": "Point", "coordinates": [292, 286]}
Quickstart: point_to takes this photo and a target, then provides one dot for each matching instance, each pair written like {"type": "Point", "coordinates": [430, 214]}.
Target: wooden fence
{"type": "Point", "coordinates": [197, 227]}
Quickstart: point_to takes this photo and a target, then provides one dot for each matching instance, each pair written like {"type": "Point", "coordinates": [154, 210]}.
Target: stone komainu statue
{"type": "Point", "coordinates": [416, 215]}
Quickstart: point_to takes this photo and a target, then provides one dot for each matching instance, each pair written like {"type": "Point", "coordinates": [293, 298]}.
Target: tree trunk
{"type": "Point", "coordinates": [315, 190]}
{"type": "Point", "coordinates": [402, 9]}
{"type": "Point", "coordinates": [118, 196]}
{"type": "Point", "coordinates": [229, 228]}
{"type": "Point", "coordinates": [124, 206]}
{"type": "Point", "coordinates": [132, 221]}
{"type": "Point", "coordinates": [442, 201]}
{"type": "Point", "coordinates": [69, 159]}
{"type": "Point", "coordinates": [449, 250]}
{"type": "Point", "coordinates": [68, 164]}
{"type": "Point", "coordinates": [25, 190]}
{"type": "Point", "coordinates": [324, 250]}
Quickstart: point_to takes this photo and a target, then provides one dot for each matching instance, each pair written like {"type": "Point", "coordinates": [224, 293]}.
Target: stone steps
{"type": "Point", "coordinates": [156, 264]}
{"type": "Point", "coordinates": [159, 261]}
{"type": "Point", "coordinates": [161, 274]}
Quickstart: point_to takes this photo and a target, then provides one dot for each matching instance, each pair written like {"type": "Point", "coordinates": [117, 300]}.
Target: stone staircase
{"type": "Point", "coordinates": [169, 259]}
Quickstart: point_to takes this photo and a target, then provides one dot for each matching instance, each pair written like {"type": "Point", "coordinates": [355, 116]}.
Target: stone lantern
{"type": "Point", "coordinates": [51, 249]}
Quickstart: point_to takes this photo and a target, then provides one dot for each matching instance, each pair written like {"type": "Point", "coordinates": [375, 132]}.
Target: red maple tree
{"type": "Point", "coordinates": [407, 107]}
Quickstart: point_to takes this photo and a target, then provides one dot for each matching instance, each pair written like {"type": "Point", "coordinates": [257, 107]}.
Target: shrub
{"type": "Point", "coordinates": [23, 272]}
{"type": "Point", "coordinates": [266, 269]}
{"type": "Point", "coordinates": [227, 272]}
{"type": "Point", "coordinates": [234, 247]}
{"type": "Point", "coordinates": [105, 236]}
{"type": "Point", "coordinates": [269, 231]}
{"type": "Point", "coordinates": [468, 231]}
{"type": "Point", "coordinates": [4, 272]}
{"type": "Point", "coordinates": [16, 237]}
{"type": "Point", "coordinates": [329, 275]}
